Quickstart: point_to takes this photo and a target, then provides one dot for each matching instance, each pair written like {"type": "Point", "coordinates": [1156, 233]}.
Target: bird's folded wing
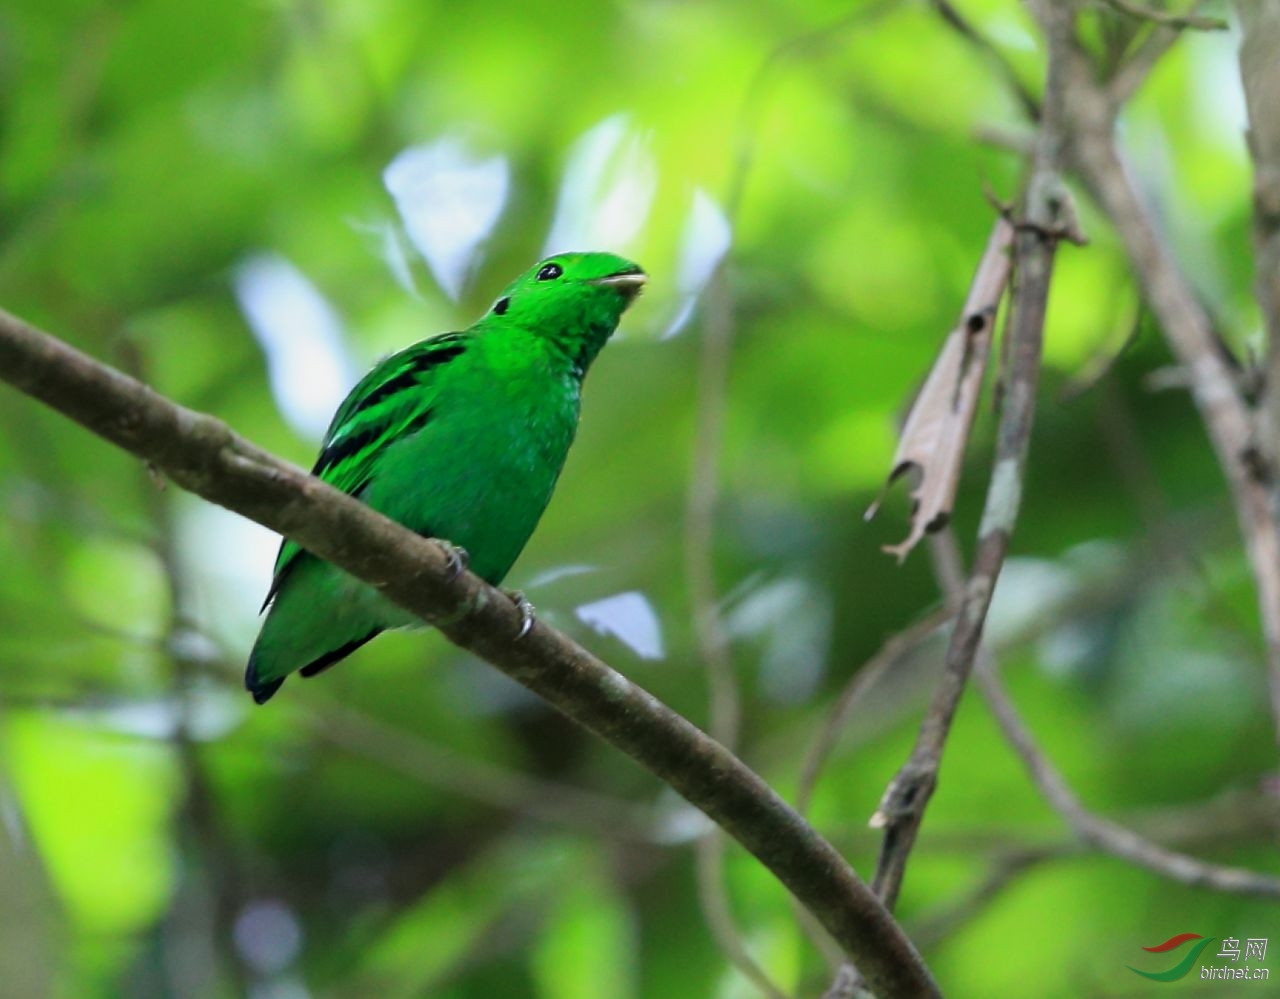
{"type": "Point", "coordinates": [393, 401]}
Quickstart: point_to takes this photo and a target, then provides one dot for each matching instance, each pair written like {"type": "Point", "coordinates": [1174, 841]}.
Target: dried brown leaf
{"type": "Point", "coordinates": [936, 431]}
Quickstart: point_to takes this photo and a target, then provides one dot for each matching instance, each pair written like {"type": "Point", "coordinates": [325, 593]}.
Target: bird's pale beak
{"type": "Point", "coordinates": [628, 282]}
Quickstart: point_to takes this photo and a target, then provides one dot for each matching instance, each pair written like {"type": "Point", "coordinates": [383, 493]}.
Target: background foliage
{"type": "Point", "coordinates": [196, 193]}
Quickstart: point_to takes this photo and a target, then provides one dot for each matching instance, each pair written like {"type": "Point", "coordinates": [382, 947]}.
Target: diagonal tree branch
{"type": "Point", "coordinates": [988, 51]}
{"type": "Point", "coordinates": [1230, 423]}
{"type": "Point", "coordinates": [1102, 833]}
{"type": "Point", "coordinates": [1132, 73]}
{"type": "Point", "coordinates": [203, 455]}
{"type": "Point", "coordinates": [1092, 830]}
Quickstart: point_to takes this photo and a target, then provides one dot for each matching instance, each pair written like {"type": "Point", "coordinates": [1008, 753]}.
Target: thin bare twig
{"type": "Point", "coordinates": [891, 652]}
{"type": "Point", "coordinates": [994, 57]}
{"type": "Point", "coordinates": [1006, 868]}
{"type": "Point", "coordinates": [1135, 69]}
{"type": "Point", "coordinates": [700, 511]}
{"type": "Point", "coordinates": [807, 43]}
{"type": "Point", "coordinates": [709, 635]}
{"type": "Point", "coordinates": [1244, 817]}
{"type": "Point", "coordinates": [446, 769]}
{"type": "Point", "coordinates": [1101, 364]}
{"type": "Point", "coordinates": [1101, 833]}
{"type": "Point", "coordinates": [201, 454]}
{"type": "Point", "coordinates": [1167, 19]}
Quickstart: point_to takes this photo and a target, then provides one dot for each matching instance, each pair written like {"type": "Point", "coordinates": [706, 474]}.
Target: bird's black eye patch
{"type": "Point", "coordinates": [501, 306]}
{"type": "Point", "coordinates": [549, 272]}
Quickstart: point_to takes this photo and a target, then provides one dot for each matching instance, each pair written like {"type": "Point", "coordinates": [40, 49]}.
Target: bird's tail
{"type": "Point", "coordinates": [311, 624]}
{"type": "Point", "coordinates": [263, 682]}
{"type": "Point", "coordinates": [260, 688]}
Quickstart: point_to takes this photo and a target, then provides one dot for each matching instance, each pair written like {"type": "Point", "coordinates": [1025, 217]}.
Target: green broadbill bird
{"type": "Point", "coordinates": [460, 437]}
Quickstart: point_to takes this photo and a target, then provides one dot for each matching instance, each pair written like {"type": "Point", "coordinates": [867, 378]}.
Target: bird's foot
{"type": "Point", "coordinates": [527, 614]}
{"type": "Point", "coordinates": [457, 558]}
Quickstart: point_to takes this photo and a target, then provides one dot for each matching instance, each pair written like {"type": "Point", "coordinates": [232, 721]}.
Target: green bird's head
{"type": "Point", "coordinates": [574, 300]}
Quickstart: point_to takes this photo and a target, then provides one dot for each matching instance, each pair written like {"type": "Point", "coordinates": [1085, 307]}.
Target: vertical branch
{"type": "Point", "coordinates": [29, 931]}
{"type": "Point", "coordinates": [1047, 217]}
{"type": "Point", "coordinates": [725, 707]}
{"type": "Point", "coordinates": [1260, 73]}
{"type": "Point", "coordinates": [700, 508]}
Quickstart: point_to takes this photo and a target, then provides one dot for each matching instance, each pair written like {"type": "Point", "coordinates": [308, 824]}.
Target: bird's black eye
{"type": "Point", "coordinates": [501, 306]}
{"type": "Point", "coordinates": [549, 272]}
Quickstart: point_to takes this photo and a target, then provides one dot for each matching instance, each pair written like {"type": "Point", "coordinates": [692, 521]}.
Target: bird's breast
{"type": "Point", "coordinates": [480, 473]}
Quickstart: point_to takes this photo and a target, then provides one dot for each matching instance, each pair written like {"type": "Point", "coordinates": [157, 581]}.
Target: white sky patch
{"type": "Point", "coordinates": [301, 336]}
{"type": "Point", "coordinates": [393, 248]}
{"type": "Point", "coordinates": [794, 617]}
{"type": "Point", "coordinates": [229, 559]}
{"type": "Point", "coordinates": [628, 617]}
{"type": "Point", "coordinates": [763, 606]}
{"type": "Point", "coordinates": [208, 712]}
{"type": "Point", "coordinates": [1216, 91]}
{"type": "Point", "coordinates": [1011, 33]}
{"type": "Point", "coordinates": [450, 201]}
{"type": "Point", "coordinates": [678, 821]}
{"type": "Point", "coordinates": [706, 239]}
{"type": "Point", "coordinates": [1026, 587]}
{"type": "Point", "coordinates": [607, 190]}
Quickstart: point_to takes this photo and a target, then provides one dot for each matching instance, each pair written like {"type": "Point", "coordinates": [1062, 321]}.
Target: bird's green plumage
{"type": "Point", "coordinates": [459, 437]}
